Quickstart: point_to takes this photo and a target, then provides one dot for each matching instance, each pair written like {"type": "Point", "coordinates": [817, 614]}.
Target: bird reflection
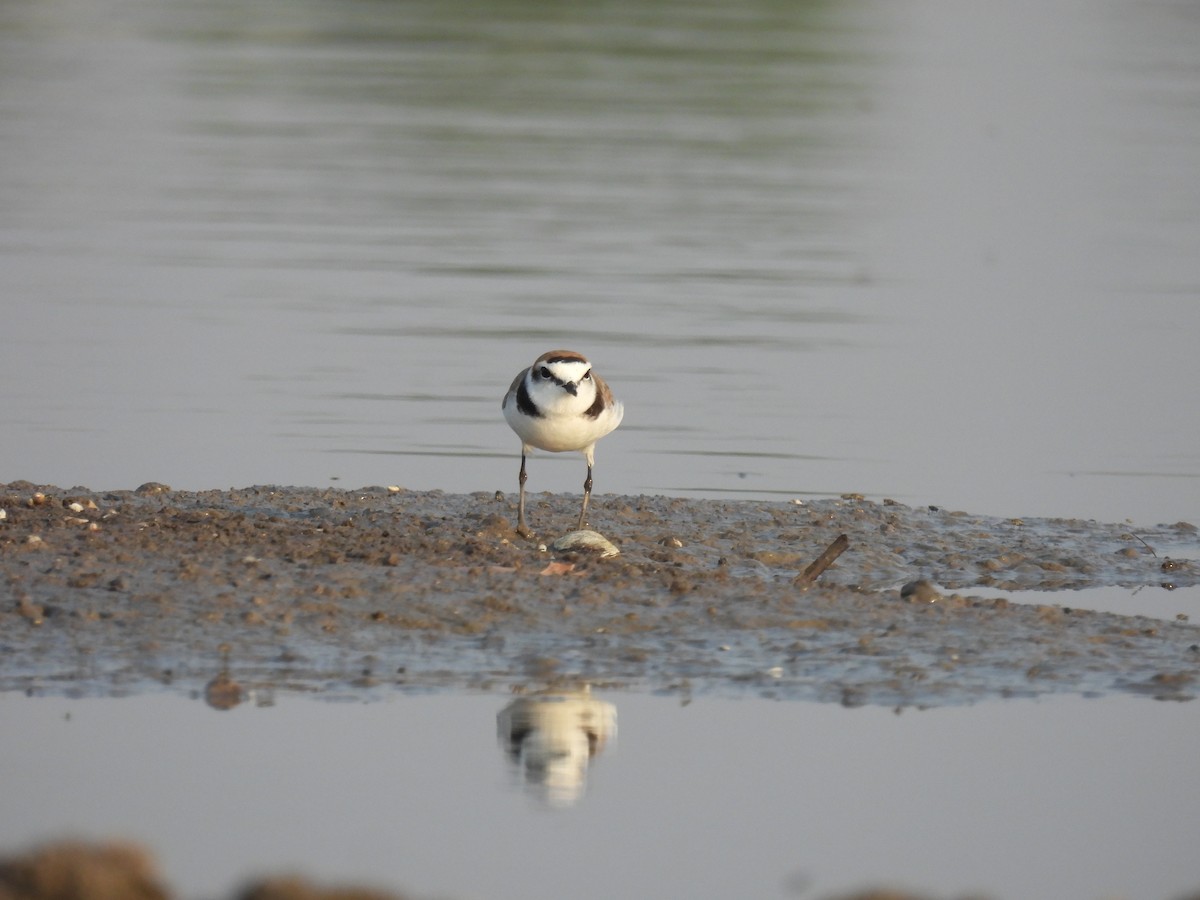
{"type": "Point", "coordinates": [551, 736]}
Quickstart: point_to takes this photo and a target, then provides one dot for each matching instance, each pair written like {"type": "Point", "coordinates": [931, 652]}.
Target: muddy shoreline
{"type": "Point", "coordinates": [363, 593]}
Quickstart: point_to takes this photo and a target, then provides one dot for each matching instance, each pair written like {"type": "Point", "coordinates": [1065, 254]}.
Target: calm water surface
{"type": "Point", "coordinates": [933, 251]}
{"type": "Point", "coordinates": [716, 799]}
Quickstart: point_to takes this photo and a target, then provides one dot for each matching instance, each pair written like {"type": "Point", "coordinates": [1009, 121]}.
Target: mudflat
{"type": "Point", "coordinates": [359, 592]}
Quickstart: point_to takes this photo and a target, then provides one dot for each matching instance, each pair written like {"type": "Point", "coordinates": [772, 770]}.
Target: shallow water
{"type": "Point", "coordinates": [1178, 604]}
{"type": "Point", "coordinates": [938, 252]}
{"type": "Point", "coordinates": [1022, 799]}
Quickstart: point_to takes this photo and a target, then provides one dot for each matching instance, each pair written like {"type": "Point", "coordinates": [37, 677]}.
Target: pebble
{"type": "Point", "coordinates": [222, 692]}
{"type": "Point", "coordinates": [920, 592]}
{"type": "Point", "coordinates": [34, 612]}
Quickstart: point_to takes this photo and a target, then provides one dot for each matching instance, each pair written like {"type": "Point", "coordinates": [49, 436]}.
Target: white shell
{"type": "Point", "coordinates": [589, 541]}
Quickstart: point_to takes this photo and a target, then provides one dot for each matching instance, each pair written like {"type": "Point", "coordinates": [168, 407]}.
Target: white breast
{"type": "Point", "coordinates": [563, 424]}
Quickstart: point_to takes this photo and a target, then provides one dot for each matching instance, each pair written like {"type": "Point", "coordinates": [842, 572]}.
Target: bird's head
{"type": "Point", "coordinates": [563, 371]}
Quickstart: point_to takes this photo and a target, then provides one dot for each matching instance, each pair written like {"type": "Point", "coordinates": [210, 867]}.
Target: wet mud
{"type": "Point", "coordinates": [72, 870]}
{"type": "Point", "coordinates": [123, 871]}
{"type": "Point", "coordinates": [361, 593]}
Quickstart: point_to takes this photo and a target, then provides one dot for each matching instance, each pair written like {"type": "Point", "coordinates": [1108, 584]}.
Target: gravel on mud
{"type": "Point", "coordinates": [356, 593]}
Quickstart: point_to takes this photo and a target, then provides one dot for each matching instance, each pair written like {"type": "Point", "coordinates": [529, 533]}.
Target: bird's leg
{"type": "Point", "coordinates": [522, 528]}
{"type": "Point", "coordinates": [587, 493]}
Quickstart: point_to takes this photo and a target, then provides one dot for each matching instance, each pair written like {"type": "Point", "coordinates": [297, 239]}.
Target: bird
{"type": "Point", "coordinates": [559, 404]}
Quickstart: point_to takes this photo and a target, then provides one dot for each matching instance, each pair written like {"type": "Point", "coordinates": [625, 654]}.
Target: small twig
{"type": "Point", "coordinates": [806, 578]}
{"type": "Point", "coordinates": [1144, 544]}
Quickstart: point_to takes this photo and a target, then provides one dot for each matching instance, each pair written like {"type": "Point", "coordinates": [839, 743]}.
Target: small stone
{"type": "Point", "coordinates": [31, 611]}
{"type": "Point", "coordinates": [223, 692]}
{"type": "Point", "coordinates": [920, 591]}
{"type": "Point", "coordinates": [152, 487]}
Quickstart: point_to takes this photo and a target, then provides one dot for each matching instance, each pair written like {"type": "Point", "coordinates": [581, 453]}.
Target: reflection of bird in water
{"type": "Point", "coordinates": [553, 736]}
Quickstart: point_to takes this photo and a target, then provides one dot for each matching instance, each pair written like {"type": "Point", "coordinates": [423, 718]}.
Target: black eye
{"type": "Point", "coordinates": [543, 372]}
{"type": "Point", "coordinates": [587, 376]}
